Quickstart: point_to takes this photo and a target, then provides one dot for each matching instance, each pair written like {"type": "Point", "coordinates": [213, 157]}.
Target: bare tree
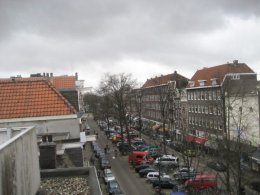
{"type": "Point", "coordinates": [239, 118]}
{"type": "Point", "coordinates": [107, 110]}
{"type": "Point", "coordinates": [118, 87]}
{"type": "Point", "coordinates": [92, 101]}
{"type": "Point", "coordinates": [138, 101]}
{"type": "Point", "coordinates": [164, 111]}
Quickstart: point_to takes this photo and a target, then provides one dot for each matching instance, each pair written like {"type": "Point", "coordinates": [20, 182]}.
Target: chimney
{"type": "Point", "coordinates": [47, 153]}
{"type": "Point", "coordinates": [76, 76]}
{"type": "Point", "coordinates": [43, 74]}
{"type": "Point", "coordinates": [44, 138]}
{"type": "Point", "coordinates": [49, 138]}
{"type": "Point", "coordinates": [51, 74]}
{"type": "Point", "coordinates": [47, 75]}
{"type": "Point", "coordinates": [235, 62]}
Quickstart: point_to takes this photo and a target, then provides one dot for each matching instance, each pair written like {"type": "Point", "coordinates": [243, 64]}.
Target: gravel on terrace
{"type": "Point", "coordinates": [65, 185]}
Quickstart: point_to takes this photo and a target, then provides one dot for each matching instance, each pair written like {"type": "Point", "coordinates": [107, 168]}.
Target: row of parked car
{"type": "Point", "coordinates": [153, 170]}
{"type": "Point", "coordinates": [113, 187]}
{"type": "Point", "coordinates": [106, 173]}
{"type": "Point", "coordinates": [183, 178]}
{"type": "Point", "coordinates": [150, 164]}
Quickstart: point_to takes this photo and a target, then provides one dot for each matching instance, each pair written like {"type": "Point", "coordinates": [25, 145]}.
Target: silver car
{"type": "Point", "coordinates": [108, 175]}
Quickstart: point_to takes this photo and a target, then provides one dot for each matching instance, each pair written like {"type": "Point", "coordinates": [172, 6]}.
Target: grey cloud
{"type": "Point", "coordinates": [63, 34]}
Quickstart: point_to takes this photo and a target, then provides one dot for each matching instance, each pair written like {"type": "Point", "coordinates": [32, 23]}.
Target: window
{"type": "Point", "coordinates": [214, 95]}
{"type": "Point", "coordinates": [206, 109]}
{"type": "Point", "coordinates": [219, 110]}
{"type": "Point", "coordinates": [210, 95]}
{"type": "Point", "coordinates": [195, 95]}
{"type": "Point", "coordinates": [214, 82]}
{"type": "Point", "coordinates": [192, 83]}
{"type": "Point", "coordinates": [200, 122]}
{"type": "Point", "coordinates": [215, 110]}
{"type": "Point", "coordinates": [199, 109]}
{"type": "Point", "coordinates": [198, 94]}
{"type": "Point", "coordinates": [202, 95]}
{"type": "Point", "coordinates": [211, 124]}
{"type": "Point", "coordinates": [202, 82]}
{"type": "Point", "coordinates": [215, 124]}
{"type": "Point", "coordinates": [196, 108]}
{"type": "Point", "coordinates": [218, 94]}
{"type": "Point", "coordinates": [235, 76]}
{"type": "Point", "coordinates": [210, 109]}
{"type": "Point", "coordinates": [207, 123]}
{"type": "Point", "coordinates": [206, 95]}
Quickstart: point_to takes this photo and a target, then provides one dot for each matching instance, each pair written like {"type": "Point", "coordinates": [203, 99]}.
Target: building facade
{"type": "Point", "coordinates": [162, 100]}
{"type": "Point", "coordinates": [220, 100]}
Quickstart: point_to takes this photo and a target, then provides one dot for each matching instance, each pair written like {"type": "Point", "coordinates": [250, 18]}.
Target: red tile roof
{"type": "Point", "coordinates": [164, 79]}
{"type": "Point", "coordinates": [219, 72]}
{"type": "Point", "coordinates": [60, 82]}
{"type": "Point", "coordinates": [31, 97]}
{"type": "Point", "coordinates": [64, 82]}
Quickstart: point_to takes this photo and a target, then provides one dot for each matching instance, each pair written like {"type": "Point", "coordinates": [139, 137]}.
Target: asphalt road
{"type": "Point", "coordinates": [129, 181]}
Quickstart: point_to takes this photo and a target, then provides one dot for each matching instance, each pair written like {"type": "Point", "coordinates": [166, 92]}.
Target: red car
{"type": "Point", "coordinates": [139, 157]}
{"type": "Point", "coordinates": [203, 181]}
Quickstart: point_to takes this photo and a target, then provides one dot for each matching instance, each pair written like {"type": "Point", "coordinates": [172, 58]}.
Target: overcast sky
{"type": "Point", "coordinates": [142, 37]}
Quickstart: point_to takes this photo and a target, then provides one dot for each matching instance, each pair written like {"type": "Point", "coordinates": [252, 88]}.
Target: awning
{"type": "Point", "coordinates": [197, 140]}
{"type": "Point", "coordinates": [161, 129]}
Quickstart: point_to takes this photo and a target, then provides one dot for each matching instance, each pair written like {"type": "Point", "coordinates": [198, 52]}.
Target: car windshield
{"type": "Point", "coordinates": [114, 185]}
{"type": "Point", "coordinates": [109, 175]}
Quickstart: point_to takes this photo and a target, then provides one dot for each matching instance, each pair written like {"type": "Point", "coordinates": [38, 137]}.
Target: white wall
{"type": "Point", "coordinates": [19, 165]}
{"type": "Point", "coordinates": [249, 118]}
{"type": "Point", "coordinates": [59, 125]}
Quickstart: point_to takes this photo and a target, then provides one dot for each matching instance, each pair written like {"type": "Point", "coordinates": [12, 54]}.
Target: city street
{"type": "Point", "coordinates": [129, 181]}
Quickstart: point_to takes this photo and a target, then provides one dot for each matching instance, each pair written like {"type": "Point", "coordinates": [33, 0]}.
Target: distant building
{"type": "Point", "coordinates": [36, 102]}
{"type": "Point", "coordinates": [165, 91]}
{"type": "Point", "coordinates": [69, 86]}
{"type": "Point", "coordinates": [224, 98]}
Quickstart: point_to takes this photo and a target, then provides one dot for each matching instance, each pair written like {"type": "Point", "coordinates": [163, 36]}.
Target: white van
{"type": "Point", "coordinates": [167, 160]}
{"type": "Point", "coordinates": [151, 176]}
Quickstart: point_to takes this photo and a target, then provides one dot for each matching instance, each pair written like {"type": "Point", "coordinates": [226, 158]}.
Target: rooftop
{"type": "Point", "coordinates": [164, 79]}
{"type": "Point", "coordinates": [31, 97]}
{"type": "Point", "coordinates": [218, 73]}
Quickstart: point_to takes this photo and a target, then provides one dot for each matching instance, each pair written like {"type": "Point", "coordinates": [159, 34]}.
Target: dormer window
{"type": "Point", "coordinates": [214, 81]}
{"type": "Point", "coordinates": [192, 83]}
{"type": "Point", "coordinates": [235, 76]}
{"type": "Point", "coordinates": [202, 82]}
